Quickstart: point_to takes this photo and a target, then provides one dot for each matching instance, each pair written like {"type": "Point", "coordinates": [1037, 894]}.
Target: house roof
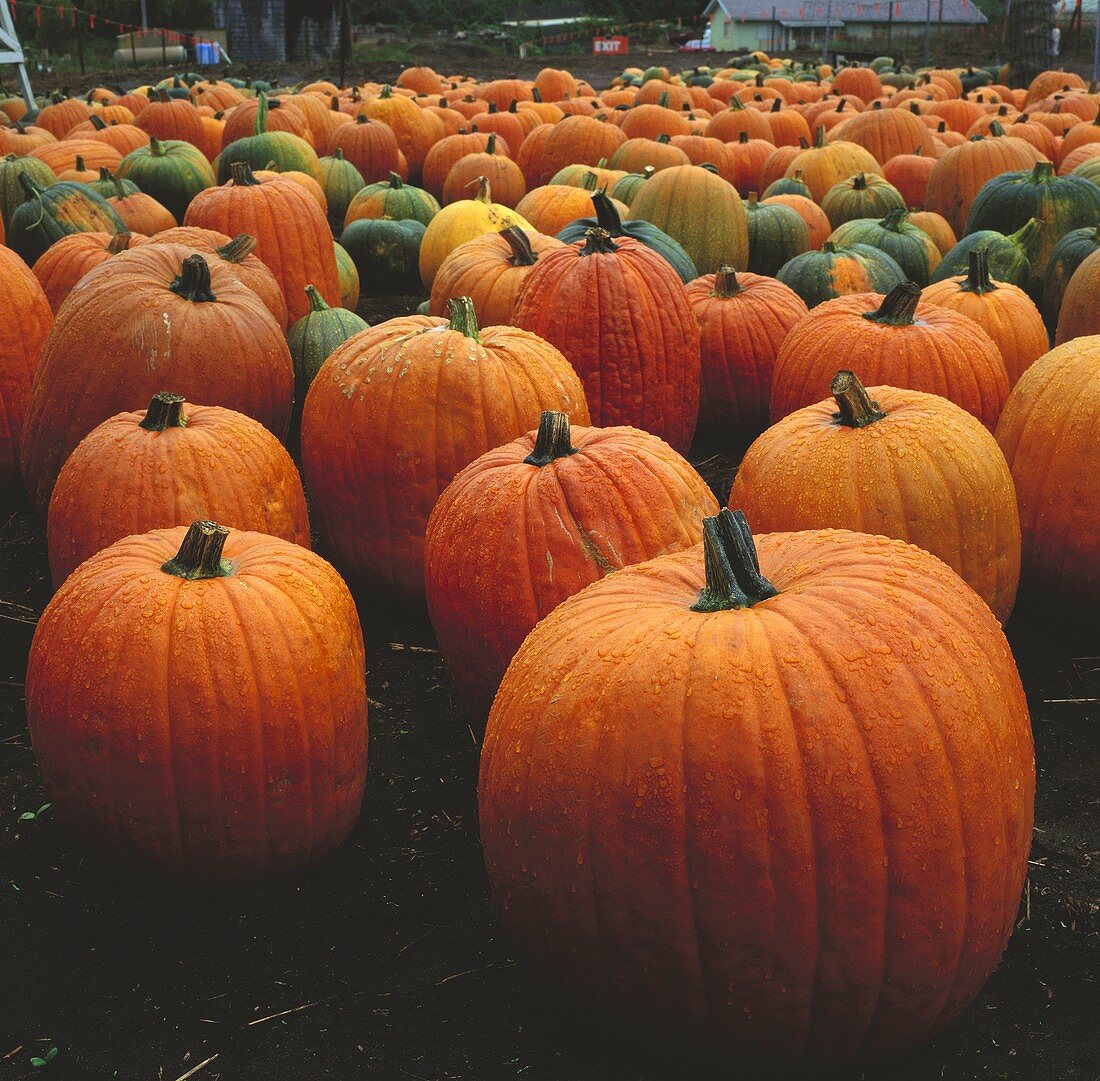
{"type": "Point", "coordinates": [815, 12]}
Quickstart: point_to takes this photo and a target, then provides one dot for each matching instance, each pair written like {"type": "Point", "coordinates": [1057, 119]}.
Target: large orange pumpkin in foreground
{"type": "Point", "coordinates": [199, 710]}
{"type": "Point", "coordinates": [574, 505]}
{"type": "Point", "coordinates": [892, 341]}
{"type": "Point", "coordinates": [153, 317]}
{"type": "Point", "coordinates": [766, 811]}
{"type": "Point", "coordinates": [396, 411]}
{"type": "Point", "coordinates": [165, 466]}
{"type": "Point", "coordinates": [1048, 433]}
{"type": "Point", "coordinates": [621, 315]}
{"type": "Point", "coordinates": [897, 462]}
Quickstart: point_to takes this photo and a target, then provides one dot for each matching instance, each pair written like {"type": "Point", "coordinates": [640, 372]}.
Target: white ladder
{"type": "Point", "coordinates": [11, 52]}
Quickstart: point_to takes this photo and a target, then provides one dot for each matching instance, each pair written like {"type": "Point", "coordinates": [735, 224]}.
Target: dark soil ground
{"type": "Point", "coordinates": [388, 962]}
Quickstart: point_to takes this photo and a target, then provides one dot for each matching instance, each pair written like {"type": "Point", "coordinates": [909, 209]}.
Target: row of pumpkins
{"type": "Point", "coordinates": [770, 797]}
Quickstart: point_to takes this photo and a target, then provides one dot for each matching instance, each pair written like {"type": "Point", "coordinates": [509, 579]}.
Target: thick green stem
{"type": "Point", "coordinates": [1043, 172]}
{"type": "Point", "coordinates": [898, 306]}
{"type": "Point", "coordinates": [242, 176]}
{"type": "Point", "coordinates": [193, 282]}
{"type": "Point", "coordinates": [200, 554]}
{"type": "Point", "coordinates": [462, 318]}
{"type": "Point", "coordinates": [238, 249]}
{"type": "Point", "coordinates": [316, 301]}
{"type": "Point", "coordinates": [895, 219]}
{"type": "Point", "coordinates": [607, 217]}
{"type": "Point", "coordinates": [855, 408]}
{"type": "Point", "coordinates": [165, 411]}
{"type": "Point", "coordinates": [978, 279]}
{"type": "Point", "coordinates": [726, 284]}
{"type": "Point", "coordinates": [597, 242]}
{"type": "Point", "coordinates": [733, 578]}
{"type": "Point", "coordinates": [552, 440]}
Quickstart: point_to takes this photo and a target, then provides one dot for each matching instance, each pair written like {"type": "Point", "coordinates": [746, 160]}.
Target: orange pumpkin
{"type": "Point", "coordinates": [191, 636]}
{"type": "Point", "coordinates": [885, 134]}
{"type": "Point", "coordinates": [369, 145]}
{"type": "Point", "coordinates": [900, 463]}
{"type": "Point", "coordinates": [577, 140]}
{"type": "Point", "coordinates": [151, 317]}
{"type": "Point", "coordinates": [173, 118]}
{"type": "Point", "coordinates": [162, 466]}
{"type": "Point", "coordinates": [823, 165]}
{"type": "Point", "coordinates": [677, 754]}
{"type": "Point", "coordinates": [894, 341]}
{"type": "Point", "coordinates": [580, 503]}
{"type": "Point", "coordinates": [22, 338]}
{"type": "Point", "coordinates": [427, 394]}
{"type": "Point", "coordinates": [64, 263]}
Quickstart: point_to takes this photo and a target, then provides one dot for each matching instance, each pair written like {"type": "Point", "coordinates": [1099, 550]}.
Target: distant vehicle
{"type": "Point", "coordinates": [698, 45]}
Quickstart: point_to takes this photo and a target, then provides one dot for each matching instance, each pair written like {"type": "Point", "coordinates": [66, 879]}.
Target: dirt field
{"type": "Point", "coordinates": [388, 961]}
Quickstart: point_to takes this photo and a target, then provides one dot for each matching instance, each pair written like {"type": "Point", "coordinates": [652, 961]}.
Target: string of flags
{"type": "Point", "coordinates": [72, 13]}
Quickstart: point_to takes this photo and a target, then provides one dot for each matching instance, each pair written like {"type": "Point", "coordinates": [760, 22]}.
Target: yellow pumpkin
{"type": "Point", "coordinates": [464, 220]}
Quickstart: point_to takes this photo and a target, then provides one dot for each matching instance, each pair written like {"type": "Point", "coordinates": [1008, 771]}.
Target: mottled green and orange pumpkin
{"type": "Point", "coordinates": [776, 235]}
{"type": "Point", "coordinates": [911, 248]}
{"type": "Point", "coordinates": [817, 276]}
{"type": "Point", "coordinates": [861, 196]}
{"type": "Point", "coordinates": [50, 213]}
{"type": "Point", "coordinates": [171, 172]}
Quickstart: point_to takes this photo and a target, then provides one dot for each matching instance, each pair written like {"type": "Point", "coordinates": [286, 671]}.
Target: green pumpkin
{"type": "Point", "coordinates": [776, 235]}
{"type": "Point", "coordinates": [386, 253]}
{"type": "Point", "coordinates": [263, 149]}
{"type": "Point", "coordinates": [348, 275]}
{"type": "Point", "coordinates": [1090, 167]}
{"type": "Point", "coordinates": [11, 191]}
{"type": "Point", "coordinates": [607, 218]}
{"type": "Point", "coordinates": [172, 172]}
{"type": "Point", "coordinates": [341, 182]}
{"type": "Point", "coordinates": [626, 188]}
{"type": "Point", "coordinates": [817, 276]}
{"type": "Point", "coordinates": [315, 336]}
{"type": "Point", "coordinates": [861, 196]}
{"type": "Point", "coordinates": [789, 185]}
{"type": "Point", "coordinates": [109, 186]}
{"type": "Point", "coordinates": [1009, 257]}
{"type": "Point", "coordinates": [393, 199]}
{"type": "Point", "coordinates": [911, 248]}
{"type": "Point", "coordinates": [48, 214]}
{"type": "Point", "coordinates": [1008, 201]}
{"type": "Point", "coordinates": [1069, 253]}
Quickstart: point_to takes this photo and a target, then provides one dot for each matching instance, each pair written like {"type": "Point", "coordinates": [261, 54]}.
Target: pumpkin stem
{"type": "Point", "coordinates": [819, 137]}
{"type": "Point", "coordinates": [995, 129]}
{"type": "Point", "coordinates": [856, 410]}
{"type": "Point", "coordinates": [1027, 236]}
{"type": "Point", "coordinates": [120, 191]}
{"type": "Point", "coordinates": [522, 252]}
{"type": "Point", "coordinates": [1043, 172]}
{"type": "Point", "coordinates": [238, 249]}
{"type": "Point", "coordinates": [242, 175]}
{"type": "Point", "coordinates": [462, 318]}
{"type": "Point", "coordinates": [552, 440]}
{"type": "Point", "coordinates": [829, 247]}
{"type": "Point", "coordinates": [200, 554]}
{"type": "Point", "coordinates": [732, 569]}
{"type": "Point", "coordinates": [859, 182]}
{"type": "Point", "coordinates": [99, 125]}
{"type": "Point", "coordinates": [726, 284]}
{"type": "Point", "coordinates": [895, 219]}
{"type": "Point", "coordinates": [898, 306]}
{"type": "Point", "coordinates": [165, 411]}
{"type": "Point", "coordinates": [978, 280]}
{"type": "Point", "coordinates": [316, 301]}
{"type": "Point", "coordinates": [193, 282]}
{"type": "Point", "coordinates": [597, 241]}
{"type": "Point", "coordinates": [607, 217]}
{"type": "Point", "coordinates": [118, 243]}
{"type": "Point", "coordinates": [484, 194]}
{"type": "Point", "coordinates": [260, 126]}
{"type": "Point", "coordinates": [396, 181]}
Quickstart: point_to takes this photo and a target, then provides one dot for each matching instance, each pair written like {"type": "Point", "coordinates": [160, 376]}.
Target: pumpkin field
{"type": "Point", "coordinates": [688, 479]}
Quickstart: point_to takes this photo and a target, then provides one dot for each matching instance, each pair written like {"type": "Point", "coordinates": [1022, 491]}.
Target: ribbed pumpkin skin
{"type": "Point", "coordinates": [927, 473]}
{"type": "Point", "coordinates": [1048, 435]}
{"type": "Point", "coordinates": [62, 156]}
{"type": "Point", "coordinates": [122, 480]}
{"type": "Point", "coordinates": [1007, 202]}
{"type": "Point", "coordinates": [1079, 315]}
{"type": "Point", "coordinates": [341, 182]}
{"type": "Point", "coordinates": [721, 830]}
{"type": "Point", "coordinates": [1009, 256]}
{"type": "Point", "coordinates": [776, 235]}
{"type": "Point", "coordinates": [23, 333]}
{"type": "Point", "coordinates": [369, 145]}
{"type": "Point", "coordinates": [485, 270]}
{"type": "Point", "coordinates": [122, 336]}
{"type": "Point", "coordinates": [1006, 313]}
{"type": "Point", "coordinates": [910, 173]}
{"type": "Point", "coordinates": [941, 353]}
{"type": "Point", "coordinates": [393, 415]}
{"type": "Point", "coordinates": [959, 175]}
{"type": "Point", "coordinates": [172, 119]}
{"type": "Point", "coordinates": [699, 210]}
{"type": "Point", "coordinates": [928, 221]}
{"type": "Point", "coordinates": [740, 337]}
{"type": "Point", "coordinates": [126, 749]}
{"type": "Point", "coordinates": [577, 140]}
{"type": "Point", "coordinates": [67, 261]}
{"type": "Point", "coordinates": [911, 248]}
{"type": "Point", "coordinates": [348, 273]}
{"type": "Point", "coordinates": [314, 338]}
{"type": "Point", "coordinates": [391, 199]}
{"type": "Point", "coordinates": [861, 196]}
{"type": "Point", "coordinates": [172, 172]}
{"type": "Point", "coordinates": [59, 210]}
{"type": "Point", "coordinates": [885, 133]}
{"type": "Point", "coordinates": [623, 320]}
{"type": "Point", "coordinates": [386, 253]}
{"type": "Point", "coordinates": [623, 498]}
{"type": "Point", "coordinates": [11, 191]}
{"type": "Point", "coordinates": [292, 235]}
{"type": "Point", "coordinates": [823, 166]}
{"type": "Point", "coordinates": [830, 273]}
{"type": "Point", "coordinates": [1068, 254]}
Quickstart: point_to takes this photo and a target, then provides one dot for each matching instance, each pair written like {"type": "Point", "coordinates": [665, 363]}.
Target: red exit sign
{"type": "Point", "coordinates": [617, 46]}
